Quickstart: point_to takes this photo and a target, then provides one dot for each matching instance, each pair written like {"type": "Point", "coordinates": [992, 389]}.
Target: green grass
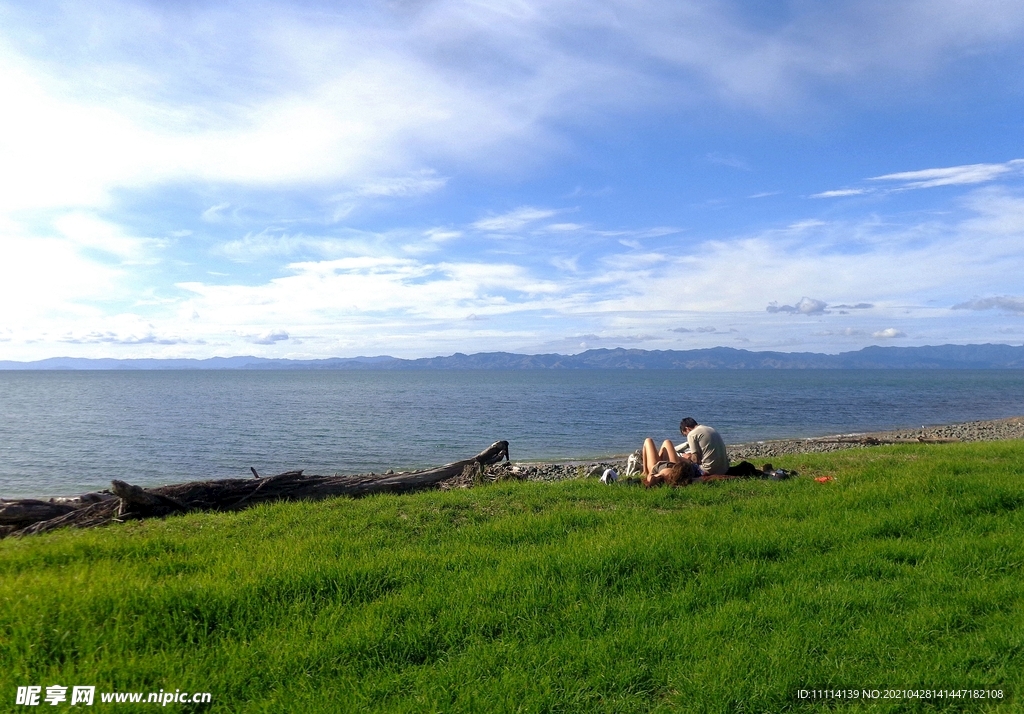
{"type": "Point", "coordinates": [903, 573]}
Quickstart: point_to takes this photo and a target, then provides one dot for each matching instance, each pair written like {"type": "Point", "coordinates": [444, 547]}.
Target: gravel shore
{"type": "Point", "coordinates": [993, 430]}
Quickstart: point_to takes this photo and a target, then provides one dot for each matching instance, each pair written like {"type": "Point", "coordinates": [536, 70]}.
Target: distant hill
{"type": "Point", "coordinates": [938, 357]}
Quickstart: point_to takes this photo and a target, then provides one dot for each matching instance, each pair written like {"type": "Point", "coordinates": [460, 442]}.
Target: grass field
{"type": "Point", "coordinates": [904, 573]}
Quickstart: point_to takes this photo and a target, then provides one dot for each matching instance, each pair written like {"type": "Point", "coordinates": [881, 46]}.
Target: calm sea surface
{"type": "Point", "coordinates": [63, 433]}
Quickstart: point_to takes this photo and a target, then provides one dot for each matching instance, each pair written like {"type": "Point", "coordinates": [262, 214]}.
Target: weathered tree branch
{"type": "Point", "coordinates": [134, 502]}
{"type": "Point", "coordinates": [22, 513]}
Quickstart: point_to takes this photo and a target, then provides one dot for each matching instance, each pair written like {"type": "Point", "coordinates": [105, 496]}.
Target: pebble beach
{"type": "Point", "coordinates": [756, 452]}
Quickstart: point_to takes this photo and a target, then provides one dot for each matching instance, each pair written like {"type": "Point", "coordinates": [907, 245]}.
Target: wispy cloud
{"type": "Point", "coordinates": [1006, 302]}
{"type": "Point", "coordinates": [846, 332]}
{"type": "Point", "coordinates": [416, 183]}
{"type": "Point", "coordinates": [442, 235]}
{"type": "Point", "coordinates": [966, 175]}
{"type": "Point", "coordinates": [699, 330]}
{"type": "Point", "coordinates": [840, 192]}
{"type": "Point", "coordinates": [635, 287]}
{"type": "Point", "coordinates": [953, 175]}
{"type": "Point", "coordinates": [513, 220]}
{"type": "Point", "coordinates": [348, 160]}
{"type": "Point", "coordinates": [730, 160]}
{"type": "Point", "coordinates": [113, 338]}
{"type": "Point", "coordinates": [376, 297]}
{"type": "Point", "coordinates": [90, 232]}
{"type": "Point", "coordinates": [268, 244]}
{"type": "Point", "coordinates": [215, 214]}
{"type": "Point", "coordinates": [293, 96]}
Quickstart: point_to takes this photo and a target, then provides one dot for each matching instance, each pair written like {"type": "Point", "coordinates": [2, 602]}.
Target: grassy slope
{"type": "Point", "coordinates": [903, 573]}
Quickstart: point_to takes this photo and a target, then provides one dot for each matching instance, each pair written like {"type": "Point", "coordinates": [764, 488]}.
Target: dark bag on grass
{"type": "Point", "coordinates": [744, 468]}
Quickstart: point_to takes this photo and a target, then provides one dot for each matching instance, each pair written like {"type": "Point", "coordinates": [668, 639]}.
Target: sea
{"type": "Point", "coordinates": [69, 432]}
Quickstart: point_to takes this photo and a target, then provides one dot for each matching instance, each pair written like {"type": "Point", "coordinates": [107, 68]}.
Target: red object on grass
{"type": "Point", "coordinates": [824, 479]}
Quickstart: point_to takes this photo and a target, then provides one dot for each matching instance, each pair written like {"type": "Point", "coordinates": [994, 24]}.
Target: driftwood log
{"type": "Point", "coordinates": [133, 502]}
{"type": "Point", "coordinates": [22, 513]}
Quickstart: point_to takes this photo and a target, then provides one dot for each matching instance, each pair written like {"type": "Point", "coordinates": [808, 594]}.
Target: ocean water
{"type": "Point", "coordinates": [63, 433]}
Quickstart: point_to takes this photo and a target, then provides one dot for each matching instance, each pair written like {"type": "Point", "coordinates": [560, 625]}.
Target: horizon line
{"type": "Point", "coordinates": [369, 360]}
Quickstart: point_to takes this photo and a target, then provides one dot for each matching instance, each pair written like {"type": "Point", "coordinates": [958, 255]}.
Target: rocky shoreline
{"type": "Point", "coordinates": [991, 430]}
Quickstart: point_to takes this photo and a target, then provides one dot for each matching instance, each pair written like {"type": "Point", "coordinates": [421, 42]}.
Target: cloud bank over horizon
{"type": "Point", "coordinates": [419, 179]}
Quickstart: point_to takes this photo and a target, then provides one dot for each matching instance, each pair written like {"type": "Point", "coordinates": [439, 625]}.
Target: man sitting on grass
{"type": "Point", "coordinates": [707, 458]}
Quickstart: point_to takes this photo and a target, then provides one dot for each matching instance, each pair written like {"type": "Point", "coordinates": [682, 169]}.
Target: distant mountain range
{"type": "Point", "coordinates": [939, 357]}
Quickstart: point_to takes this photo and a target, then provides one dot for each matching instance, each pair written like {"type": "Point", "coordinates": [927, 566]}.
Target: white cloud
{"type": "Point", "coordinates": [352, 294]}
{"type": "Point", "coordinates": [327, 295]}
{"type": "Point", "coordinates": [270, 337]}
{"type": "Point", "coordinates": [806, 306]}
{"type": "Point", "coordinates": [953, 175]}
{"type": "Point", "coordinates": [888, 333]}
{"type": "Point", "coordinates": [71, 144]}
{"type": "Point", "coordinates": [219, 94]}
{"type": "Point", "coordinates": [870, 262]}
{"type": "Point", "coordinates": [356, 105]}
{"type": "Point", "coordinates": [114, 338]}
{"type": "Point", "coordinates": [846, 332]}
{"type": "Point", "coordinates": [569, 264]}
{"type": "Point", "coordinates": [257, 246]}
{"type": "Point", "coordinates": [413, 184]}
{"type": "Point", "coordinates": [214, 214]}
{"type": "Point", "coordinates": [838, 193]}
{"type": "Point", "coordinates": [930, 178]}
{"type": "Point", "coordinates": [807, 224]}
{"type": "Point", "coordinates": [513, 220]}
{"type": "Point", "coordinates": [88, 231]}
{"type": "Point", "coordinates": [1005, 302]}
{"type": "Point", "coordinates": [123, 329]}
{"type": "Point", "coordinates": [442, 235]}
{"type": "Point", "coordinates": [47, 282]}
{"type": "Point", "coordinates": [57, 152]}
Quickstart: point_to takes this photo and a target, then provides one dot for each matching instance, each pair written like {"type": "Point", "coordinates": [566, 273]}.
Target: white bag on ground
{"type": "Point", "coordinates": [634, 464]}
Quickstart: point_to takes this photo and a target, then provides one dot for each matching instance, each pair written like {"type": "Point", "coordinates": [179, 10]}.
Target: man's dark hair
{"type": "Point", "coordinates": [687, 423]}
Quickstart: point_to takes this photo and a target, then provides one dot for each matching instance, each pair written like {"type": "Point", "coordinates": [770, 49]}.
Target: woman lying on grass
{"type": "Point", "coordinates": [706, 459]}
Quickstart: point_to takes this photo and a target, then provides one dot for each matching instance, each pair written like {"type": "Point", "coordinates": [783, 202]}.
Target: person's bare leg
{"type": "Point", "coordinates": [652, 456]}
{"type": "Point", "coordinates": [668, 452]}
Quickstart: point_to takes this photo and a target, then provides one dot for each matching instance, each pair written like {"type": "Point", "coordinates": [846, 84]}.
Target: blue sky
{"type": "Point", "coordinates": [418, 178]}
